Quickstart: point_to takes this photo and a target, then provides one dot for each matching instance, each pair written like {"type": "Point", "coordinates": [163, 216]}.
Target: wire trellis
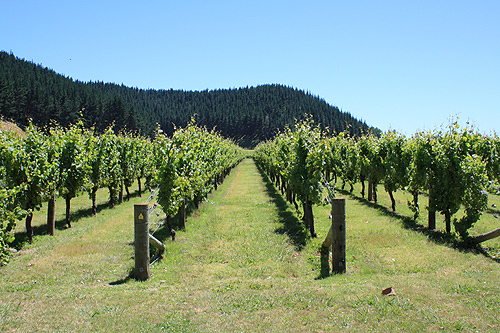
{"type": "Point", "coordinates": [330, 192]}
{"type": "Point", "coordinates": [155, 210]}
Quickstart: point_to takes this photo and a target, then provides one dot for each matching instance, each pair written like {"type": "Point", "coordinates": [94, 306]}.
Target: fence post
{"type": "Point", "coordinates": [141, 241]}
{"type": "Point", "coordinates": [338, 232]}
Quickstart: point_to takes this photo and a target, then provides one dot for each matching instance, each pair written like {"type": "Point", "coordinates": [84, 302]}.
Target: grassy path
{"type": "Point", "coordinates": [243, 265]}
{"type": "Point", "coordinates": [238, 271]}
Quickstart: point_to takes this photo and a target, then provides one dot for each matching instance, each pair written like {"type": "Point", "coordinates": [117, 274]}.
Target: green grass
{"type": "Point", "coordinates": [244, 265]}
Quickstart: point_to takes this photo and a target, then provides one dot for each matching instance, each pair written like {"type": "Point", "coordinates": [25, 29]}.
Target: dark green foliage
{"type": "Point", "coordinates": [244, 114]}
{"type": "Point", "coordinates": [30, 91]}
{"type": "Point", "coordinates": [247, 115]}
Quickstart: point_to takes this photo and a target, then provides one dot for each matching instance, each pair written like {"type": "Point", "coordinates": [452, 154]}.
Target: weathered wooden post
{"type": "Point", "coordinates": [338, 233]}
{"type": "Point", "coordinates": [486, 236]}
{"type": "Point", "coordinates": [153, 241]}
{"type": "Point", "coordinates": [336, 240]}
{"type": "Point", "coordinates": [141, 241]}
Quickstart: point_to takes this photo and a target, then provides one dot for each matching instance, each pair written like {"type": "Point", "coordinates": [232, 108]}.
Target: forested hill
{"type": "Point", "coordinates": [246, 114]}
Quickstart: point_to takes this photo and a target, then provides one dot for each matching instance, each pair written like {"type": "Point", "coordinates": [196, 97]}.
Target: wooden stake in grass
{"type": "Point", "coordinates": [486, 236]}
{"type": "Point", "coordinates": [153, 241]}
{"type": "Point", "coordinates": [335, 239]}
{"type": "Point", "coordinates": [338, 243]}
{"type": "Point", "coordinates": [141, 241]}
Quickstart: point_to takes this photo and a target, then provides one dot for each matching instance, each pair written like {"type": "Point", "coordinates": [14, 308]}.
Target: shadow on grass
{"type": "Point", "coordinates": [435, 236]}
{"type": "Point", "coordinates": [130, 276]}
{"type": "Point", "coordinates": [290, 224]}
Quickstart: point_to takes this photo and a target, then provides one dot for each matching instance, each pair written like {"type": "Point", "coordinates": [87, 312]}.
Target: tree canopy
{"type": "Point", "coordinates": [247, 115]}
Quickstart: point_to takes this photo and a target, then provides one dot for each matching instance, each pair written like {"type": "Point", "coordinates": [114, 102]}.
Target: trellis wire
{"type": "Point", "coordinates": [153, 208]}
{"type": "Point", "coordinates": [330, 192]}
{"type": "Point", "coordinates": [153, 193]}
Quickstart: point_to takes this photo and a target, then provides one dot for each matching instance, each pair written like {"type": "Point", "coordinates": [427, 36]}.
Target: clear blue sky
{"type": "Point", "coordinates": [403, 65]}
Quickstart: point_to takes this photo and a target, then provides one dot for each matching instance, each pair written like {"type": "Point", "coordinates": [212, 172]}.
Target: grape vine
{"type": "Point", "coordinates": [453, 165]}
{"type": "Point", "coordinates": [46, 163]}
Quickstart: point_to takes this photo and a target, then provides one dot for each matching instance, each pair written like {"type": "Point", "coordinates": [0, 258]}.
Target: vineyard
{"type": "Point", "coordinates": [40, 164]}
{"type": "Point", "coordinates": [454, 167]}
{"type": "Point", "coordinates": [244, 254]}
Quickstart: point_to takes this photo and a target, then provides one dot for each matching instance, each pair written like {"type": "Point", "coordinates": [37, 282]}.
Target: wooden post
{"type": "Point", "coordinates": [338, 233]}
{"type": "Point", "coordinates": [484, 237]}
{"type": "Point", "coordinates": [153, 241]}
{"type": "Point", "coordinates": [141, 241]}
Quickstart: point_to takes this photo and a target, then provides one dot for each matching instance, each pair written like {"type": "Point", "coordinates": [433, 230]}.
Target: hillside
{"type": "Point", "coordinates": [11, 127]}
{"type": "Point", "coordinates": [247, 115]}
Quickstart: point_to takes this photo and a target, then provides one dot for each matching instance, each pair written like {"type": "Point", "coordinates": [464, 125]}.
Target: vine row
{"type": "Point", "coordinates": [42, 164]}
{"type": "Point", "coordinates": [455, 166]}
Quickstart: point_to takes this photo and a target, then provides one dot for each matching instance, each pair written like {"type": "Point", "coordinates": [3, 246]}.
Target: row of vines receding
{"type": "Point", "coordinates": [454, 166]}
{"type": "Point", "coordinates": [42, 164]}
